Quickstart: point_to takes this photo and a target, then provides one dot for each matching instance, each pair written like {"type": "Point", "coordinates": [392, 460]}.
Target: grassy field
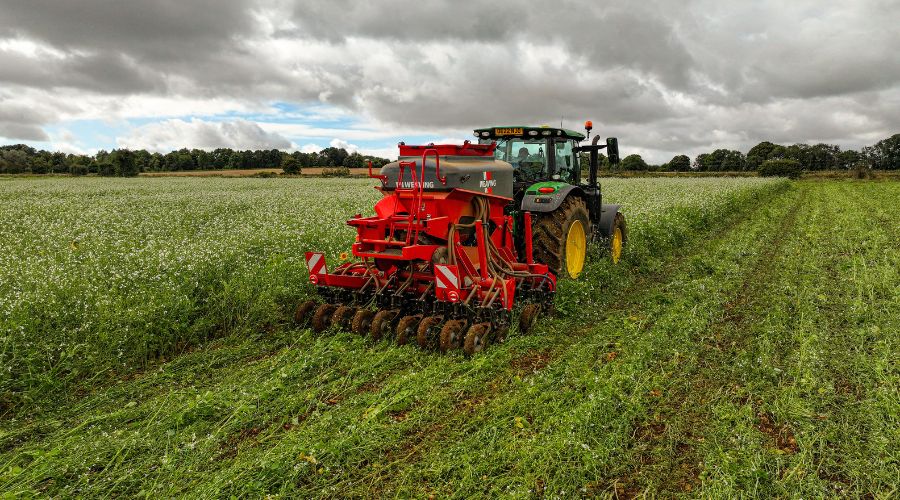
{"type": "Point", "coordinates": [746, 346]}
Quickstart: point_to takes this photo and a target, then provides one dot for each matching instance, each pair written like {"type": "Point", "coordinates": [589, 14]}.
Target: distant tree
{"type": "Point", "coordinates": [376, 161]}
{"type": "Point", "coordinates": [720, 160]}
{"type": "Point", "coordinates": [13, 161]}
{"type": "Point", "coordinates": [58, 163]}
{"type": "Point", "coordinates": [334, 156]}
{"type": "Point", "coordinates": [123, 162]}
{"type": "Point", "coordinates": [679, 163]}
{"type": "Point", "coordinates": [39, 165]}
{"type": "Point", "coordinates": [354, 160]}
{"type": "Point", "coordinates": [633, 162]}
{"type": "Point", "coordinates": [781, 168]}
{"type": "Point", "coordinates": [885, 154]}
{"type": "Point", "coordinates": [848, 159]}
{"type": "Point", "coordinates": [290, 165]}
{"type": "Point", "coordinates": [733, 161]}
{"type": "Point", "coordinates": [105, 168]}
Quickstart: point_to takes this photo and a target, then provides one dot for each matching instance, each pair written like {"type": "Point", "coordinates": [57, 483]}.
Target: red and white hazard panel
{"type": "Point", "coordinates": [446, 280]}
{"type": "Point", "coordinates": [315, 262]}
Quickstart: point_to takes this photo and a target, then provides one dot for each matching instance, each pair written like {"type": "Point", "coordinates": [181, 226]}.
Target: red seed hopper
{"type": "Point", "coordinates": [441, 261]}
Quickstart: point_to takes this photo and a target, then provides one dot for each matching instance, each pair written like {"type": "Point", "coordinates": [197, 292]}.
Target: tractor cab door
{"type": "Point", "coordinates": [567, 167]}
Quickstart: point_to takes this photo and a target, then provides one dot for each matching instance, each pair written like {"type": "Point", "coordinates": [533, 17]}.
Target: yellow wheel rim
{"type": "Point", "coordinates": [616, 247]}
{"type": "Point", "coordinates": [576, 245]}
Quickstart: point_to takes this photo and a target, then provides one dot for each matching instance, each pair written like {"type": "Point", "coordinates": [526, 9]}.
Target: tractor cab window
{"type": "Point", "coordinates": [567, 165]}
{"type": "Point", "coordinates": [527, 156]}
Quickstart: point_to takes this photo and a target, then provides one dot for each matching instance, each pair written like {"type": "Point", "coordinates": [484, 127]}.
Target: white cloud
{"type": "Point", "coordinates": [341, 144]}
{"type": "Point", "coordinates": [175, 134]}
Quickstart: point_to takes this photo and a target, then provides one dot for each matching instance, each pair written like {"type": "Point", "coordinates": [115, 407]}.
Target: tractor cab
{"type": "Point", "coordinates": [536, 153]}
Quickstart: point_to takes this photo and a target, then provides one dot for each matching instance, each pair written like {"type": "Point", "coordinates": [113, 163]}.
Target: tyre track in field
{"type": "Point", "coordinates": [406, 452]}
{"type": "Point", "coordinates": [531, 361]}
{"type": "Point", "coordinates": [669, 438]}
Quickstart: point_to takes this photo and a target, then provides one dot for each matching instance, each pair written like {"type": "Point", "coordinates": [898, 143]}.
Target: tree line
{"type": "Point", "coordinates": [21, 159]}
{"type": "Point", "coordinates": [883, 155]}
{"type": "Point", "coordinates": [765, 156]}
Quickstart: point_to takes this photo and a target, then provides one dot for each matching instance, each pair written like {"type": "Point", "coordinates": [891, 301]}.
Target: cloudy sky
{"type": "Point", "coordinates": [665, 77]}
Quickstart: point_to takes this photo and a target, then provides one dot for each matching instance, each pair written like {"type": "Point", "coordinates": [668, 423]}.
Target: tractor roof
{"type": "Point", "coordinates": [527, 132]}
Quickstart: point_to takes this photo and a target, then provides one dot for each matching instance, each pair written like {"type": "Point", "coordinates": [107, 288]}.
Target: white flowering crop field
{"type": "Point", "coordinates": [98, 277]}
{"type": "Point", "coordinates": [745, 346]}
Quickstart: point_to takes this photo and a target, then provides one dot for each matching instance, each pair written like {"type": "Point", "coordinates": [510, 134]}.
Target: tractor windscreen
{"type": "Point", "coordinates": [527, 156]}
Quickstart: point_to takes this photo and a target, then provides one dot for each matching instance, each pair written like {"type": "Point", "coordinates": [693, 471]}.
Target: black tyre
{"type": "Point", "coordinates": [528, 317]}
{"type": "Point", "coordinates": [382, 324]}
{"type": "Point", "coordinates": [426, 335]}
{"type": "Point", "coordinates": [406, 329]}
{"type": "Point", "coordinates": [452, 335]}
{"type": "Point", "coordinates": [560, 238]}
{"type": "Point", "coordinates": [304, 311]}
{"type": "Point", "coordinates": [343, 317]}
{"type": "Point", "coordinates": [362, 321]}
{"type": "Point", "coordinates": [321, 320]}
{"type": "Point", "coordinates": [476, 338]}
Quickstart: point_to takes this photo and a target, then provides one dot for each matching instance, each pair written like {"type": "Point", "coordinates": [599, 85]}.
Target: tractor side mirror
{"type": "Point", "coordinates": [612, 150]}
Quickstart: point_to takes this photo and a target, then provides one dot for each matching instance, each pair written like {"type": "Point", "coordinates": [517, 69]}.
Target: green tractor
{"type": "Point", "coordinates": [548, 182]}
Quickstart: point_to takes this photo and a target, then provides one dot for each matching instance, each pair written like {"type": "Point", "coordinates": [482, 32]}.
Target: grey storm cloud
{"type": "Point", "coordinates": [668, 77]}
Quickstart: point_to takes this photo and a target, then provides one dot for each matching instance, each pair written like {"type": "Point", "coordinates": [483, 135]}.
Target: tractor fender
{"type": "Point", "coordinates": [549, 202]}
{"type": "Point", "coordinates": [607, 218]}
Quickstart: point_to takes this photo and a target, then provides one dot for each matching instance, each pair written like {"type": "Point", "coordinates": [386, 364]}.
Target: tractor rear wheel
{"type": "Point", "coordinates": [381, 324]}
{"type": "Point", "coordinates": [406, 329]}
{"type": "Point", "coordinates": [362, 321]}
{"type": "Point", "coordinates": [560, 238]}
{"type": "Point", "coordinates": [452, 335]}
{"type": "Point", "coordinates": [618, 238]}
{"type": "Point", "coordinates": [321, 320]}
{"type": "Point", "coordinates": [425, 335]}
{"type": "Point", "coordinates": [476, 338]}
{"type": "Point", "coordinates": [304, 311]}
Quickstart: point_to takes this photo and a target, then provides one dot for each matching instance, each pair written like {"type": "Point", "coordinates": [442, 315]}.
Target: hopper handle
{"type": "Point", "coordinates": [382, 178]}
{"type": "Point", "coordinates": [437, 165]}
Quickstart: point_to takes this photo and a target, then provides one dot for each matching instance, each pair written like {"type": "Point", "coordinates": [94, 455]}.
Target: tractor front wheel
{"type": "Point", "coordinates": [560, 238]}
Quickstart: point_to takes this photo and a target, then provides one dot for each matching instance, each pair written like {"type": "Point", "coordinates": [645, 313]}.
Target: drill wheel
{"type": "Point", "coordinates": [362, 322]}
{"type": "Point", "coordinates": [343, 317]}
{"type": "Point", "coordinates": [382, 324]}
{"type": "Point", "coordinates": [528, 317]}
{"type": "Point", "coordinates": [304, 311]}
{"type": "Point", "coordinates": [425, 335]}
{"type": "Point", "coordinates": [321, 320]}
{"type": "Point", "coordinates": [407, 328]}
{"type": "Point", "coordinates": [476, 338]}
{"type": "Point", "coordinates": [452, 335]}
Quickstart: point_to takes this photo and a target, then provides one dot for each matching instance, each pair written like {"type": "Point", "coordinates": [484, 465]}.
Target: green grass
{"type": "Point", "coordinates": [746, 347]}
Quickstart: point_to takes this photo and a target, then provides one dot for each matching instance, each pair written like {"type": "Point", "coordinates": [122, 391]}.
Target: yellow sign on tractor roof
{"type": "Point", "coordinates": [508, 131]}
